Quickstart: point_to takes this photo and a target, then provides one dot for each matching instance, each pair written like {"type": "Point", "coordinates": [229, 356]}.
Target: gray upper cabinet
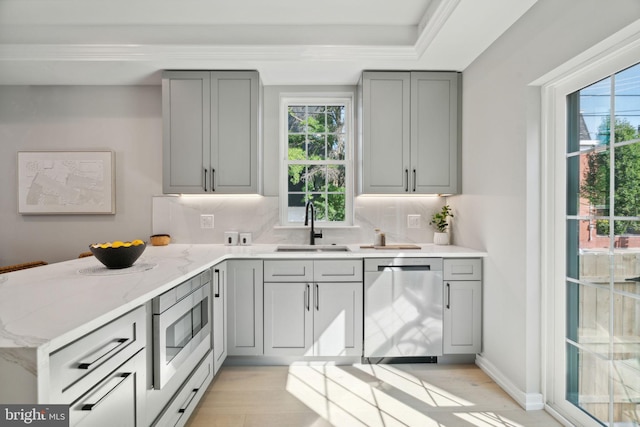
{"type": "Point", "coordinates": [410, 132]}
{"type": "Point", "coordinates": [210, 132]}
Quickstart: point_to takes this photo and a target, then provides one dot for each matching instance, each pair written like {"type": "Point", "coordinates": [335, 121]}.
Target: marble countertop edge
{"type": "Point", "coordinates": [49, 306]}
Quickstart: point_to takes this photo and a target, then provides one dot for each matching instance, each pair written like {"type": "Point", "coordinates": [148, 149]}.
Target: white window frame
{"type": "Point", "coordinates": [610, 57]}
{"type": "Point", "coordinates": [345, 99]}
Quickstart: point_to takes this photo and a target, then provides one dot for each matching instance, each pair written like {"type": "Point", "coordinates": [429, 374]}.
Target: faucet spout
{"type": "Point", "coordinates": [312, 233]}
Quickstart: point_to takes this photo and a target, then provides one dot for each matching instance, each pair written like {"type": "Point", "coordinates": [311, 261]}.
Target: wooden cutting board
{"type": "Point", "coordinates": [403, 246]}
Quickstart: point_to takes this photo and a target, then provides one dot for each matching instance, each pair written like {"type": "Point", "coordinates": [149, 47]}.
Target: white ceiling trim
{"type": "Point", "coordinates": [432, 22]}
{"type": "Point", "coordinates": [41, 52]}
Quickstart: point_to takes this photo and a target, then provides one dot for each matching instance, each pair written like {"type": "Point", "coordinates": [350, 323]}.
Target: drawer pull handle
{"type": "Point", "coordinates": [110, 348]}
{"type": "Point", "coordinates": [192, 395]}
{"type": "Point", "coordinates": [119, 379]}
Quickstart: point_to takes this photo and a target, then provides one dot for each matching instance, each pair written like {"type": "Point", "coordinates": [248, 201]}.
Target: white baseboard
{"type": "Point", "coordinates": [529, 401]}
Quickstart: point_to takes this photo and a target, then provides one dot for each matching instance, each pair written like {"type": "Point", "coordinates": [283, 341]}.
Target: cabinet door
{"type": "Point", "coordinates": [337, 320]}
{"type": "Point", "coordinates": [219, 315]}
{"type": "Point", "coordinates": [234, 131]}
{"type": "Point", "coordinates": [117, 400]}
{"type": "Point", "coordinates": [386, 132]}
{"type": "Point", "coordinates": [186, 132]}
{"type": "Point", "coordinates": [462, 317]}
{"type": "Point", "coordinates": [288, 319]}
{"type": "Point", "coordinates": [245, 319]}
{"type": "Point", "coordinates": [434, 132]}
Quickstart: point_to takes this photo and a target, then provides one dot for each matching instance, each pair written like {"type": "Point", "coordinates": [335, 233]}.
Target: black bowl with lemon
{"type": "Point", "coordinates": [118, 254]}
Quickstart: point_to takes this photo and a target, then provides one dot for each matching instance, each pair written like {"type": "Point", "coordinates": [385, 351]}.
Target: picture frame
{"type": "Point", "coordinates": [66, 182]}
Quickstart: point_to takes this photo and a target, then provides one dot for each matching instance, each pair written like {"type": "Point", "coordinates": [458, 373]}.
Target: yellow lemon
{"type": "Point", "coordinates": [105, 245]}
{"type": "Point", "coordinates": [137, 242]}
{"type": "Point", "coordinates": [117, 244]}
{"type": "Point", "coordinates": [126, 244]}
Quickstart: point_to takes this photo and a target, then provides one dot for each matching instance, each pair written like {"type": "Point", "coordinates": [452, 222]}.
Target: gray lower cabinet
{"type": "Point", "coordinates": [219, 329]}
{"type": "Point", "coordinates": [411, 132]}
{"type": "Point", "coordinates": [210, 132]}
{"type": "Point", "coordinates": [103, 373]}
{"type": "Point", "coordinates": [462, 306]}
{"type": "Point", "coordinates": [245, 308]}
{"type": "Point", "coordinates": [118, 400]}
{"type": "Point", "coordinates": [319, 316]}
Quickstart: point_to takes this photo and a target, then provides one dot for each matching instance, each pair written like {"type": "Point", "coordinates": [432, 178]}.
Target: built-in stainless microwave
{"type": "Point", "coordinates": [181, 328]}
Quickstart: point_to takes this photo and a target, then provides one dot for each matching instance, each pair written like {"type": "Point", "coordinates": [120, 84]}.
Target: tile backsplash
{"type": "Point", "coordinates": [179, 216]}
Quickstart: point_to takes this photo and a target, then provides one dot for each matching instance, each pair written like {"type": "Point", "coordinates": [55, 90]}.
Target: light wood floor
{"type": "Point", "coordinates": [307, 395]}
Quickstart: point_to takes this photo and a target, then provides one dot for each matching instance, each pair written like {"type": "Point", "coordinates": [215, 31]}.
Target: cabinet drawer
{"type": "Point", "coordinates": [288, 271]}
{"type": "Point", "coordinates": [463, 269]}
{"type": "Point", "coordinates": [178, 411]}
{"type": "Point", "coordinates": [80, 365]}
{"type": "Point", "coordinates": [337, 270]}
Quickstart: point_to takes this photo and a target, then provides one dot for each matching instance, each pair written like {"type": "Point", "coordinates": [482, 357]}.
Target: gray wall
{"type": "Point", "coordinates": [127, 120]}
{"type": "Point", "coordinates": [499, 210]}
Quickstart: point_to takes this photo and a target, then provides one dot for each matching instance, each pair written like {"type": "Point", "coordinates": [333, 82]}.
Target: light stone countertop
{"type": "Point", "coordinates": [47, 307]}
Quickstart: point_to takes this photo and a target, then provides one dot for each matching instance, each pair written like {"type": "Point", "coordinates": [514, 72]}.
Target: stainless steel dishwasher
{"type": "Point", "coordinates": [403, 307]}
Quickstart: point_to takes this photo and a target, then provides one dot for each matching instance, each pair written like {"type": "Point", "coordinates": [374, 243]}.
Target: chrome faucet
{"type": "Point", "coordinates": [312, 233]}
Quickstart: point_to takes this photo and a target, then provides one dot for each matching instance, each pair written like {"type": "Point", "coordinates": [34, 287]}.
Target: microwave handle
{"type": "Point", "coordinates": [216, 294]}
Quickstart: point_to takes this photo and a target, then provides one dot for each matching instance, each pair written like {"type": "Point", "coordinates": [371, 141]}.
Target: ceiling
{"type": "Point", "coordinates": [54, 42]}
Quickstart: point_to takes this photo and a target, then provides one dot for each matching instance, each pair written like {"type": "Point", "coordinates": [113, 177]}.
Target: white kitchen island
{"type": "Point", "coordinates": [45, 308]}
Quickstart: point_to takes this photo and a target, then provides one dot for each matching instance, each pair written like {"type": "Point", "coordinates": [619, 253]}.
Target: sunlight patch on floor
{"type": "Point", "coordinates": [418, 389]}
{"type": "Point", "coordinates": [486, 419]}
{"type": "Point", "coordinates": [344, 399]}
{"type": "Point", "coordinates": [382, 396]}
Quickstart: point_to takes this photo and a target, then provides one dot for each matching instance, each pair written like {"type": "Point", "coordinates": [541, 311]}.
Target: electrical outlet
{"type": "Point", "coordinates": [206, 221]}
{"type": "Point", "coordinates": [413, 221]}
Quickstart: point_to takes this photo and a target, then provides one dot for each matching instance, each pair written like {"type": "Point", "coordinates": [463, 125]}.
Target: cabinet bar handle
{"type": "Point", "coordinates": [109, 348]}
{"type": "Point", "coordinates": [217, 292]}
{"type": "Point", "coordinates": [406, 175]}
{"type": "Point", "coordinates": [316, 297]}
{"type": "Point", "coordinates": [213, 179]}
{"type": "Point", "coordinates": [205, 179]}
{"type": "Point", "coordinates": [119, 379]}
{"type": "Point", "coordinates": [448, 296]}
{"type": "Point", "coordinates": [414, 180]}
{"type": "Point", "coordinates": [306, 296]}
{"type": "Point", "coordinates": [188, 401]}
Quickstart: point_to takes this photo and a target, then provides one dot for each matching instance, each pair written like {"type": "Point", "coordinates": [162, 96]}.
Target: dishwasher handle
{"type": "Point", "coordinates": [404, 268]}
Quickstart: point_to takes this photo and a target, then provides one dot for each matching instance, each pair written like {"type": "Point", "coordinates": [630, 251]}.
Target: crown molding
{"type": "Point", "coordinates": [200, 53]}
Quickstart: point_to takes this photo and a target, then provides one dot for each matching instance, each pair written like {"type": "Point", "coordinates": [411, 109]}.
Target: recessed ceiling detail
{"type": "Point", "coordinates": [123, 42]}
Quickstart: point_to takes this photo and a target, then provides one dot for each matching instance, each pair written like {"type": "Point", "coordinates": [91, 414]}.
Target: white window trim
{"type": "Point", "coordinates": [612, 55]}
{"type": "Point", "coordinates": [309, 99]}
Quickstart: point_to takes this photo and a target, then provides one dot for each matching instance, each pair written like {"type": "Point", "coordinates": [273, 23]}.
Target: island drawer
{"type": "Point", "coordinates": [288, 270]}
{"type": "Point", "coordinates": [462, 269]}
{"type": "Point", "coordinates": [78, 366]}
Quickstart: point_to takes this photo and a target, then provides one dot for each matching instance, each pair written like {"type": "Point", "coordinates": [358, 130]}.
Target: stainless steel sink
{"type": "Point", "coordinates": [312, 248]}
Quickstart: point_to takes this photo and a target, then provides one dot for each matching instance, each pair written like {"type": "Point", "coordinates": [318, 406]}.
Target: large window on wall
{"type": "Point", "coordinates": [317, 164]}
{"type": "Point", "coordinates": [603, 249]}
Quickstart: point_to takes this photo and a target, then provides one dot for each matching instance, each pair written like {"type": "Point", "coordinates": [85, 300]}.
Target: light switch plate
{"type": "Point", "coordinates": [413, 221]}
{"type": "Point", "coordinates": [206, 221]}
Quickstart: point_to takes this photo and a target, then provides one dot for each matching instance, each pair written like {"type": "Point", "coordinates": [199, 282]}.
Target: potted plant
{"type": "Point", "coordinates": [439, 222]}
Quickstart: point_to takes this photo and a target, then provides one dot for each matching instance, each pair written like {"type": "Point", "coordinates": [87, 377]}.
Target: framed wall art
{"type": "Point", "coordinates": [66, 182]}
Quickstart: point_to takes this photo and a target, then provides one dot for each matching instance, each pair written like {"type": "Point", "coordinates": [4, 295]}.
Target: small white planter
{"type": "Point", "coordinates": [441, 238]}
